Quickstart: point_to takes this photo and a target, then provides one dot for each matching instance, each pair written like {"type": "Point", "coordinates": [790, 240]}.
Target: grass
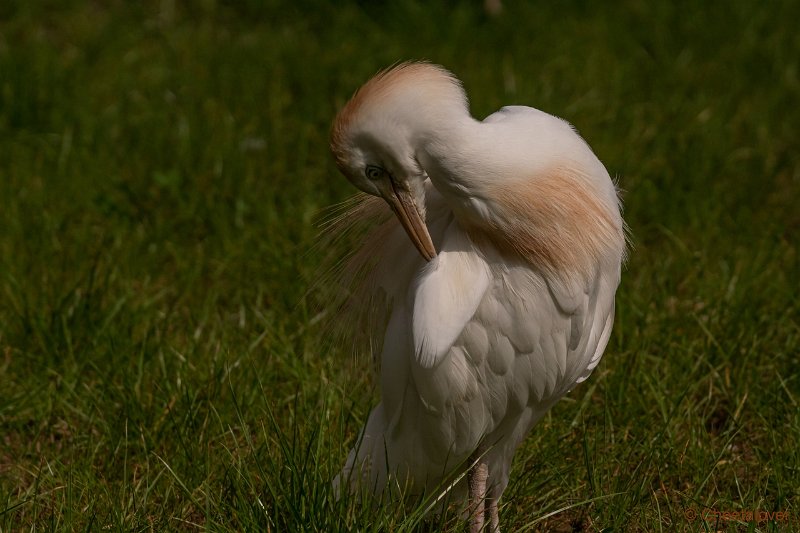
{"type": "Point", "coordinates": [162, 168]}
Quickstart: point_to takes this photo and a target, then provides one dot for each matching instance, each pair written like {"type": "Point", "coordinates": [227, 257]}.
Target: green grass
{"type": "Point", "coordinates": [162, 168]}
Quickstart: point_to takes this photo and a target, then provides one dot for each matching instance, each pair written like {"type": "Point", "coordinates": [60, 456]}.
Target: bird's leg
{"type": "Point", "coordinates": [477, 476]}
{"type": "Point", "coordinates": [492, 513]}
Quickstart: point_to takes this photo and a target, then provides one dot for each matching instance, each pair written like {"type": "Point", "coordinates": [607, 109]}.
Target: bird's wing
{"type": "Point", "coordinates": [528, 342]}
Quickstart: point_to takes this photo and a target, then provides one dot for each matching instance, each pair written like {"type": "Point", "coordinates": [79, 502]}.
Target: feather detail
{"type": "Point", "coordinates": [367, 221]}
{"type": "Point", "coordinates": [446, 295]}
{"type": "Point", "coordinates": [556, 222]}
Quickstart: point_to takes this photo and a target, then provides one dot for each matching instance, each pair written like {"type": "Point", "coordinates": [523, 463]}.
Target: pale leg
{"type": "Point", "coordinates": [492, 513]}
{"type": "Point", "coordinates": [476, 477]}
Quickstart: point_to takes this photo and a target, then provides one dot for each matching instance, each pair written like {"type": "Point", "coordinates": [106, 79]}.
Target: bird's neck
{"type": "Point", "coordinates": [451, 157]}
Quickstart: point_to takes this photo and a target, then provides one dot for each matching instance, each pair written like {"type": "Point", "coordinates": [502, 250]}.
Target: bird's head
{"type": "Point", "coordinates": [375, 138]}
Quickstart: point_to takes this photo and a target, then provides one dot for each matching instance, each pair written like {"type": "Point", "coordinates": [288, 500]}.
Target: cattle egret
{"type": "Point", "coordinates": [498, 272]}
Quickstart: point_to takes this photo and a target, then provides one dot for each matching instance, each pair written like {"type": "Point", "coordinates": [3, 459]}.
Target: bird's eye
{"type": "Point", "coordinates": [374, 173]}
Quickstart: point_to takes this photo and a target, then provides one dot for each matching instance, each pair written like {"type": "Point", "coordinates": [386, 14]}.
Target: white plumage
{"type": "Point", "coordinates": [509, 302]}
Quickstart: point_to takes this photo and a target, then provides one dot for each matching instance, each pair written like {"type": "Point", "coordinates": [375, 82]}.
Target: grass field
{"type": "Point", "coordinates": [163, 166]}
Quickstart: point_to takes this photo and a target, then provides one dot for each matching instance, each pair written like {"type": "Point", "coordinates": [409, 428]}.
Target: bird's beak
{"type": "Point", "coordinates": [405, 207]}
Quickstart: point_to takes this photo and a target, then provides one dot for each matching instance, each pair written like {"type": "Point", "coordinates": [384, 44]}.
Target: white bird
{"type": "Point", "coordinates": [509, 302]}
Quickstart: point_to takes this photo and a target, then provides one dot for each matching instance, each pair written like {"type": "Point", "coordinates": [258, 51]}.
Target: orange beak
{"type": "Point", "coordinates": [405, 207]}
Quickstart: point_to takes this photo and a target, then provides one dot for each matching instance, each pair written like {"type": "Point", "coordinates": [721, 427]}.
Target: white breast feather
{"type": "Point", "coordinates": [446, 295]}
